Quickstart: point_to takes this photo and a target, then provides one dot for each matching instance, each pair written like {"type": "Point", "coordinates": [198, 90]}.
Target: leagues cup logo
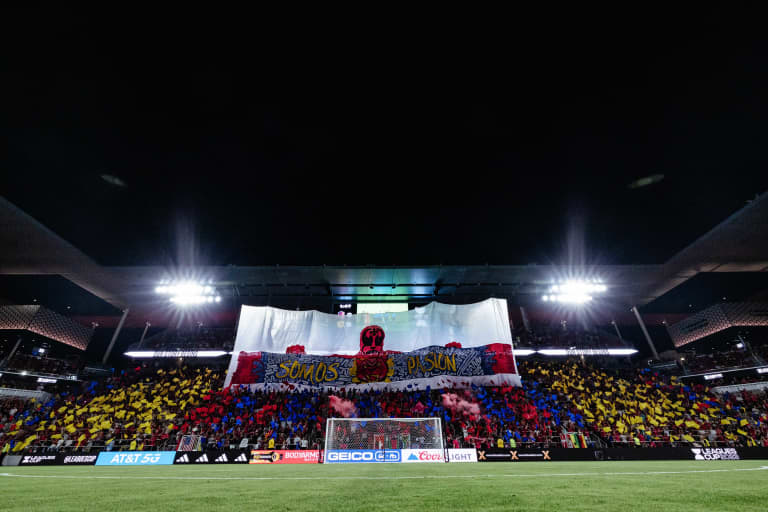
{"type": "Point", "coordinates": [715, 454]}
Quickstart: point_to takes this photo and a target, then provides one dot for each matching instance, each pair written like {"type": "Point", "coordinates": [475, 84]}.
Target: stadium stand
{"type": "Point", "coordinates": [190, 339]}
{"type": "Point", "coordinates": [563, 335]}
{"type": "Point", "coordinates": [43, 365]}
{"type": "Point", "coordinates": [564, 403]}
{"type": "Point", "coordinates": [720, 361]}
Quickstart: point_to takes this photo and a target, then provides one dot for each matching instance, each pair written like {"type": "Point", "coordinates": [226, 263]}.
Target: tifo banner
{"type": "Point", "coordinates": [355, 456]}
{"type": "Point", "coordinates": [272, 330]}
{"type": "Point", "coordinates": [431, 455]}
{"type": "Point", "coordinates": [438, 367]}
{"type": "Point", "coordinates": [285, 457]}
{"type": "Point", "coordinates": [462, 455]}
{"type": "Point", "coordinates": [134, 458]}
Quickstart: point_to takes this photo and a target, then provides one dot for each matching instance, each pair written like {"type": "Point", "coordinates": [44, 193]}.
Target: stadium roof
{"type": "Point", "coordinates": [120, 171]}
{"type": "Point", "coordinates": [737, 244]}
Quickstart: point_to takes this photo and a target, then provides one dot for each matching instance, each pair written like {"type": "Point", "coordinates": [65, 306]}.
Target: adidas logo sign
{"type": "Point", "coordinates": [183, 459]}
{"type": "Point", "coordinates": [202, 458]}
{"type": "Point", "coordinates": [222, 458]}
{"type": "Point", "coordinates": [242, 458]}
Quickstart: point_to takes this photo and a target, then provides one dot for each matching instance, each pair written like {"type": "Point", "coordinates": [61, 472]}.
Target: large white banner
{"type": "Point", "coordinates": [272, 330]}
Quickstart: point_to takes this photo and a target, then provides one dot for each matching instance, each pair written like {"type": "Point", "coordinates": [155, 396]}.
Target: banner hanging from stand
{"type": "Point", "coordinates": [417, 345]}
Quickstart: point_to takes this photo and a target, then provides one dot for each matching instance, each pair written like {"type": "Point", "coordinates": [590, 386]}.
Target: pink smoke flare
{"type": "Point", "coordinates": [458, 405]}
{"type": "Point", "coordinates": [344, 407]}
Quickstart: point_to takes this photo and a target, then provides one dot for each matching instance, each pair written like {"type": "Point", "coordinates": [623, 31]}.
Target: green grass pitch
{"type": "Point", "coordinates": [530, 486]}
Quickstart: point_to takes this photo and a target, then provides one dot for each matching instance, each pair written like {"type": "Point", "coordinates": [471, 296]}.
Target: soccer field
{"type": "Point", "coordinates": [648, 485]}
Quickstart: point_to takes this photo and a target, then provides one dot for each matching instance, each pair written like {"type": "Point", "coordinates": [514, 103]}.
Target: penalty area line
{"type": "Point", "coordinates": [382, 477]}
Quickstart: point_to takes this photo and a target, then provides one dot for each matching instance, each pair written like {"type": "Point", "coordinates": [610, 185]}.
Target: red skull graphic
{"type": "Point", "coordinates": [372, 340]}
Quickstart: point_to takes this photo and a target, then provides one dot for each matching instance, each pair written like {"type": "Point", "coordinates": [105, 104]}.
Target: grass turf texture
{"type": "Point", "coordinates": [648, 485]}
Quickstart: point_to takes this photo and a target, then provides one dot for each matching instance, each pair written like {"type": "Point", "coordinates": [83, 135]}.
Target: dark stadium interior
{"type": "Point", "coordinates": [612, 215]}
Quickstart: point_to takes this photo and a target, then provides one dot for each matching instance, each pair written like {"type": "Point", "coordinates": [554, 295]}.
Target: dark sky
{"type": "Point", "coordinates": [251, 150]}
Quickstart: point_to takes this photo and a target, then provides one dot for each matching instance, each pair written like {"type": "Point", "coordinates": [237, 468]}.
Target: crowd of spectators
{"type": "Point", "coordinates": [150, 408]}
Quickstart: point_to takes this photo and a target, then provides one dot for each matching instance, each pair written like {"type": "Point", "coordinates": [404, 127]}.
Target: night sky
{"type": "Point", "coordinates": [232, 149]}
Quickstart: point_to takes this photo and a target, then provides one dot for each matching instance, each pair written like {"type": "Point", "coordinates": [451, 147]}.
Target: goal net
{"type": "Point", "coordinates": [377, 436]}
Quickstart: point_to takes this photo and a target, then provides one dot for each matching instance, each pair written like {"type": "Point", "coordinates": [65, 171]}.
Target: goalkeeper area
{"type": "Point", "coordinates": [529, 486]}
{"type": "Point", "coordinates": [383, 434]}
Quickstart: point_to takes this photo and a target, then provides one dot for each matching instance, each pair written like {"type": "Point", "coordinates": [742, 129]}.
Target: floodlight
{"type": "Point", "coordinates": [188, 293]}
{"type": "Point", "coordinates": [574, 291]}
{"type": "Point", "coordinates": [187, 300]}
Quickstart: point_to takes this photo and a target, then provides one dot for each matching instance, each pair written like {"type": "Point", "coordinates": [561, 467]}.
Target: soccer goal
{"type": "Point", "coordinates": [384, 440]}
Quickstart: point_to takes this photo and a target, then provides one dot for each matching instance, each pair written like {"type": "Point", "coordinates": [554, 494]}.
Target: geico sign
{"type": "Point", "coordinates": [362, 456]}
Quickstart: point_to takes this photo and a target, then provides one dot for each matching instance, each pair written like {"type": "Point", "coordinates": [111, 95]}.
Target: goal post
{"type": "Point", "coordinates": [384, 440]}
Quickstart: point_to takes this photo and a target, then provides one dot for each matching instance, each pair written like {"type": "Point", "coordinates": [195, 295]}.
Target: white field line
{"type": "Point", "coordinates": [381, 477]}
